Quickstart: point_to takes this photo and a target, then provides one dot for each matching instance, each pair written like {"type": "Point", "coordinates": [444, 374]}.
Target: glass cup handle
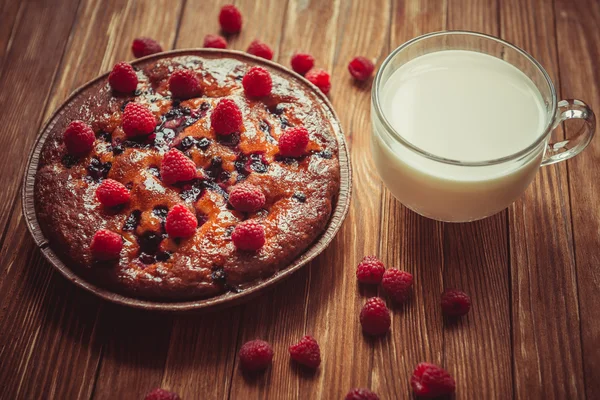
{"type": "Point", "coordinates": [571, 109]}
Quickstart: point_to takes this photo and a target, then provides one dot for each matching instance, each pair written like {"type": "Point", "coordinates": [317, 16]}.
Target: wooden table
{"type": "Point", "coordinates": [532, 270]}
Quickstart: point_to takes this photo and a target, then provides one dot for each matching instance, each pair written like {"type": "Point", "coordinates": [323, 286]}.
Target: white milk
{"type": "Point", "coordinates": [465, 106]}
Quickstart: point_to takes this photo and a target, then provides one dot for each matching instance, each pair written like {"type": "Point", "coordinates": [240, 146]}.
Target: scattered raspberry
{"type": "Point", "coordinates": [361, 68]}
{"type": "Point", "coordinates": [255, 355]}
{"type": "Point", "coordinates": [397, 284]}
{"type": "Point", "coordinates": [455, 303]}
{"type": "Point", "coordinates": [162, 394]}
{"type": "Point", "coordinates": [123, 78]}
{"type": "Point", "coordinates": [260, 49]}
{"type": "Point", "coordinates": [106, 245]}
{"type": "Point", "coordinates": [429, 380]}
{"type": "Point", "coordinates": [79, 138]}
{"type": "Point", "coordinates": [230, 19]}
{"type": "Point", "coordinates": [176, 167]}
{"type": "Point", "coordinates": [293, 142]}
{"type": "Point", "coordinates": [246, 197]}
{"type": "Point", "coordinates": [181, 222]}
{"type": "Point", "coordinates": [226, 117]}
{"type": "Point", "coordinates": [184, 84]}
{"type": "Point", "coordinates": [138, 120]}
{"type": "Point", "coordinates": [370, 270]}
{"type": "Point", "coordinates": [144, 46]}
{"type": "Point", "coordinates": [111, 193]}
{"type": "Point", "coordinates": [215, 41]}
{"type": "Point", "coordinates": [302, 63]}
{"type": "Point", "coordinates": [248, 235]}
{"type": "Point", "coordinates": [257, 82]}
{"type": "Point", "coordinates": [361, 394]}
{"type": "Point", "coordinates": [320, 78]}
{"type": "Point", "coordinates": [306, 352]}
{"type": "Point", "coordinates": [375, 317]}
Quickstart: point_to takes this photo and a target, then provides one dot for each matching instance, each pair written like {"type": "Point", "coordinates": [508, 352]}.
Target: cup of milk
{"type": "Point", "coordinates": [462, 122]}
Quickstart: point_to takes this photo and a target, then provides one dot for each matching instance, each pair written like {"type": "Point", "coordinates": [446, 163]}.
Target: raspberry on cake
{"type": "Point", "coordinates": [260, 49]}
{"type": "Point", "coordinates": [302, 63]}
{"type": "Point", "coordinates": [176, 167]}
{"type": "Point", "coordinates": [293, 142]}
{"type": "Point", "coordinates": [111, 193]}
{"type": "Point", "coordinates": [248, 235]}
{"type": "Point", "coordinates": [226, 118]}
{"type": "Point", "coordinates": [106, 245]}
{"type": "Point", "coordinates": [181, 222]}
{"type": "Point", "coordinates": [144, 46]}
{"type": "Point", "coordinates": [215, 41]}
{"type": "Point", "coordinates": [184, 84]}
{"type": "Point", "coordinates": [255, 355]}
{"type": "Point", "coordinates": [123, 78]}
{"type": "Point", "coordinates": [138, 120]}
{"type": "Point", "coordinates": [257, 82]}
{"type": "Point", "coordinates": [246, 197]}
{"type": "Point", "coordinates": [230, 19]}
{"type": "Point", "coordinates": [79, 138]}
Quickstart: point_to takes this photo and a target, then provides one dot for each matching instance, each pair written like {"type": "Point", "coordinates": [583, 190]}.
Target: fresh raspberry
{"type": "Point", "coordinates": [181, 222]}
{"type": "Point", "coordinates": [397, 284]}
{"type": "Point", "coordinates": [176, 167]}
{"type": "Point", "coordinates": [144, 46]}
{"type": "Point", "coordinates": [370, 270]}
{"type": "Point", "coordinates": [255, 355]}
{"type": "Point", "coordinates": [375, 317]}
{"type": "Point", "coordinates": [260, 49]}
{"type": "Point", "coordinates": [226, 117]}
{"type": "Point", "coordinates": [246, 197]}
{"type": "Point", "coordinates": [257, 82]}
{"type": "Point", "coordinates": [79, 138]}
{"type": "Point", "coordinates": [361, 394]}
{"type": "Point", "coordinates": [111, 193]}
{"type": "Point", "coordinates": [302, 63]}
{"type": "Point", "coordinates": [138, 120]}
{"type": "Point", "coordinates": [429, 380]}
{"type": "Point", "coordinates": [248, 235]}
{"type": "Point", "coordinates": [306, 352]}
{"type": "Point", "coordinates": [215, 41]}
{"type": "Point", "coordinates": [162, 394]}
{"type": "Point", "coordinates": [455, 303]}
{"type": "Point", "coordinates": [230, 19]}
{"type": "Point", "coordinates": [106, 245]}
{"type": "Point", "coordinates": [184, 84]}
{"type": "Point", "coordinates": [320, 78]}
{"type": "Point", "coordinates": [361, 68]}
{"type": "Point", "coordinates": [293, 142]}
{"type": "Point", "coordinates": [123, 78]}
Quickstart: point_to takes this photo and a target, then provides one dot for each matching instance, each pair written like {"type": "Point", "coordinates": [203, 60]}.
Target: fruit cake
{"type": "Point", "coordinates": [187, 176]}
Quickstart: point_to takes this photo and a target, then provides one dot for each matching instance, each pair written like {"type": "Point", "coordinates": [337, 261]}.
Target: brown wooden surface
{"type": "Point", "coordinates": [532, 271]}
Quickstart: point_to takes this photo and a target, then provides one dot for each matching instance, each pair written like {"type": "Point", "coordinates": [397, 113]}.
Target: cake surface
{"type": "Point", "coordinates": [300, 192]}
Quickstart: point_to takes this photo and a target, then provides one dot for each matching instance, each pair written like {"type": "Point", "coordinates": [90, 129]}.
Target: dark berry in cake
{"type": "Point", "coordinates": [370, 270]}
{"type": "Point", "coordinates": [230, 19]}
{"type": "Point", "coordinates": [361, 68]}
{"type": "Point", "coordinates": [106, 245]}
{"type": "Point", "coordinates": [455, 303]}
{"type": "Point", "coordinates": [293, 142]}
{"type": "Point", "coordinates": [138, 120]}
{"type": "Point", "coordinates": [361, 394]}
{"type": "Point", "coordinates": [375, 317]}
{"type": "Point", "coordinates": [215, 41]}
{"type": "Point", "coordinates": [320, 78]}
{"type": "Point", "coordinates": [144, 46]}
{"type": "Point", "coordinates": [255, 355]}
{"type": "Point", "coordinates": [181, 222]}
{"type": "Point", "coordinates": [257, 82]}
{"type": "Point", "coordinates": [184, 84]}
{"type": "Point", "coordinates": [246, 197]}
{"type": "Point", "coordinates": [260, 49]}
{"type": "Point", "coordinates": [123, 78]}
{"type": "Point", "coordinates": [306, 352]}
{"type": "Point", "coordinates": [226, 117]}
{"type": "Point", "coordinates": [397, 284]}
{"type": "Point", "coordinates": [79, 138]}
{"type": "Point", "coordinates": [176, 167]}
{"type": "Point", "coordinates": [302, 63]}
{"type": "Point", "coordinates": [248, 235]}
{"type": "Point", "coordinates": [161, 394]}
{"type": "Point", "coordinates": [111, 193]}
{"type": "Point", "coordinates": [430, 381]}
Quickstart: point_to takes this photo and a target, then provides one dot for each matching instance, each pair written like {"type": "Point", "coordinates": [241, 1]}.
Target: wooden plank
{"type": "Point", "coordinates": [546, 351]}
{"type": "Point", "coordinates": [578, 54]}
{"type": "Point", "coordinates": [12, 12]}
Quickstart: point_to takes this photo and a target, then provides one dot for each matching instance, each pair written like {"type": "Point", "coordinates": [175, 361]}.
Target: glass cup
{"type": "Point", "coordinates": [469, 190]}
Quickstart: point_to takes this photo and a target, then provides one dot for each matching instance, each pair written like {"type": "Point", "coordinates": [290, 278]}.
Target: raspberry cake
{"type": "Point", "coordinates": [188, 175]}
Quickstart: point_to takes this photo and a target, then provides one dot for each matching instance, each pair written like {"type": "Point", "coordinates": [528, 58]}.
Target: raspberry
{"type": "Point", "coordinates": [361, 68]}
{"type": "Point", "coordinates": [226, 117]}
{"type": "Point", "coordinates": [260, 49]}
{"type": "Point", "coordinates": [248, 235]}
{"type": "Point", "coordinates": [255, 355]}
{"type": "Point", "coordinates": [320, 78]}
{"type": "Point", "coordinates": [79, 138]}
{"type": "Point", "coordinates": [293, 142]}
{"type": "Point", "coordinates": [302, 63]}
{"type": "Point", "coordinates": [397, 284]}
{"type": "Point", "coordinates": [181, 222]}
{"type": "Point", "coordinates": [184, 84]}
{"type": "Point", "coordinates": [106, 245]}
{"type": "Point", "coordinates": [429, 380]}
{"type": "Point", "coordinates": [230, 19]}
{"type": "Point", "coordinates": [370, 270]}
{"type": "Point", "coordinates": [144, 46]}
{"type": "Point", "coordinates": [215, 41]}
{"type": "Point", "coordinates": [138, 120]}
{"type": "Point", "coordinates": [257, 82]}
{"type": "Point", "coordinates": [455, 303]}
{"type": "Point", "coordinates": [375, 317]}
{"type": "Point", "coordinates": [123, 78]}
{"type": "Point", "coordinates": [246, 198]}
{"type": "Point", "coordinates": [111, 193]}
{"type": "Point", "coordinates": [176, 167]}
{"type": "Point", "coordinates": [162, 394]}
{"type": "Point", "coordinates": [306, 352]}
{"type": "Point", "coordinates": [361, 394]}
